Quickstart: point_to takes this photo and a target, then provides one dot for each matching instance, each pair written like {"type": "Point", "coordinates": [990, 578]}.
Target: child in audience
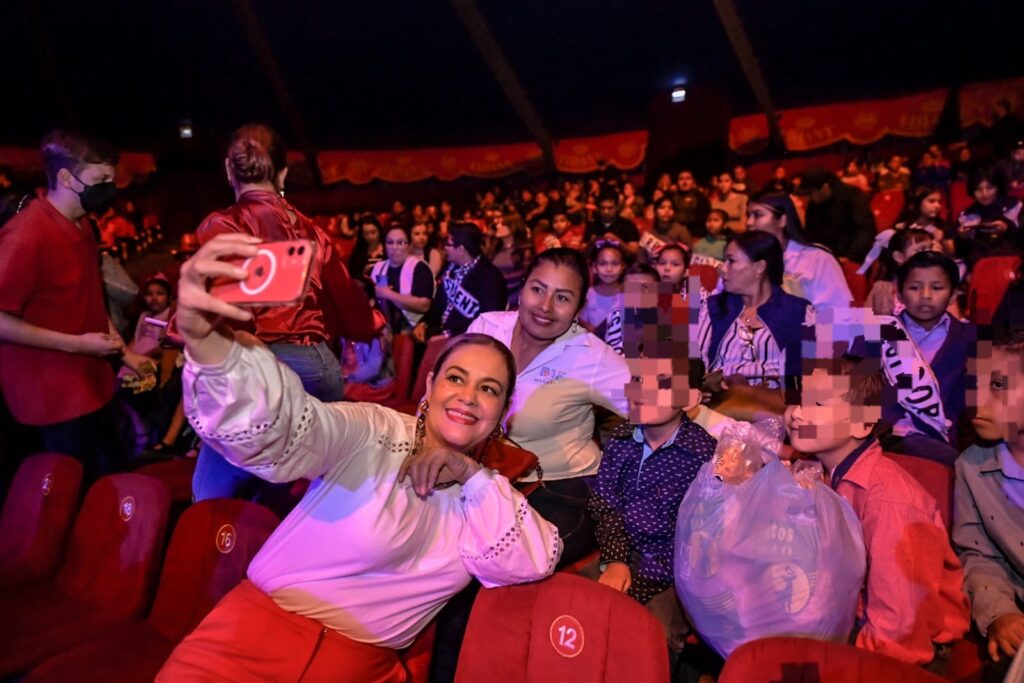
{"type": "Point", "coordinates": [713, 244]}
{"type": "Point", "coordinates": [646, 469]}
{"type": "Point", "coordinates": [924, 212]}
{"type": "Point", "coordinates": [367, 367]}
{"type": "Point", "coordinates": [926, 282]}
{"type": "Point", "coordinates": [560, 233]}
{"type": "Point", "coordinates": [607, 264]}
{"type": "Point", "coordinates": [903, 244]}
{"type": "Point", "coordinates": [913, 605]}
{"type": "Point", "coordinates": [672, 264]}
{"type": "Point", "coordinates": [988, 518]}
{"type": "Point", "coordinates": [637, 278]}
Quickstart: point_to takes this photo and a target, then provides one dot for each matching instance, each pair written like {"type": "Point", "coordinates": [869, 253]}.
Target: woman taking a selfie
{"type": "Point", "coordinates": [297, 334]}
{"type": "Point", "coordinates": [397, 520]}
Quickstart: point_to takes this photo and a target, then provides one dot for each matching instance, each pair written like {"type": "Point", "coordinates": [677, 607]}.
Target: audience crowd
{"type": "Point", "coordinates": [613, 333]}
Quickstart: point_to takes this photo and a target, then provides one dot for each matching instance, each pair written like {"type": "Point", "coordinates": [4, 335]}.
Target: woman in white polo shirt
{"type": "Point", "coordinates": [564, 371]}
{"type": "Point", "coordinates": [812, 272]}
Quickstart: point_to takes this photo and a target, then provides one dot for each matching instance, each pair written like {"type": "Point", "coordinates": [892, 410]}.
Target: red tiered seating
{"type": "Point", "coordinates": [209, 553]}
{"type": "Point", "coordinates": [958, 198]}
{"type": "Point", "coordinates": [176, 475]}
{"type": "Point", "coordinates": [796, 660]}
{"type": "Point", "coordinates": [887, 207]}
{"type": "Point", "coordinates": [106, 581]}
{"type": "Point", "coordinates": [36, 517]}
{"type": "Point", "coordinates": [565, 628]}
{"type": "Point", "coordinates": [403, 350]}
{"type": "Point", "coordinates": [990, 279]}
{"type": "Point", "coordinates": [857, 283]}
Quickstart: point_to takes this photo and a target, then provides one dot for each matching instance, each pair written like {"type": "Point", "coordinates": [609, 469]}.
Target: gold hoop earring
{"type": "Point", "coordinates": [498, 433]}
{"type": "Point", "coordinates": [423, 407]}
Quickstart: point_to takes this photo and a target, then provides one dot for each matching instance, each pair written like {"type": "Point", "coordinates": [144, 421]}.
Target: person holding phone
{"type": "Point", "coordinates": [400, 515]}
{"type": "Point", "coordinates": [990, 225]}
{"type": "Point", "coordinates": [298, 334]}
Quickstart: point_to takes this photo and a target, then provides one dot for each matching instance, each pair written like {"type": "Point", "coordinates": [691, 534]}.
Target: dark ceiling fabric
{"type": "Point", "coordinates": [400, 74]}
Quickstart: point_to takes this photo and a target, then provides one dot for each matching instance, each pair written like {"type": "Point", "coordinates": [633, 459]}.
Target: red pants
{"type": "Point", "coordinates": [247, 637]}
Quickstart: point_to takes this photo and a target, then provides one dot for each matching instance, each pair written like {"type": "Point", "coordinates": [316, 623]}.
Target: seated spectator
{"type": "Point", "coordinates": [673, 265]}
{"type": "Point", "coordinates": [717, 235]}
{"type": "Point", "coordinates": [929, 172]}
{"type": "Point", "coordinates": [739, 180]}
{"type": "Point", "coordinates": [561, 233]}
{"type": "Point", "coordinates": [853, 175]}
{"type": "Point", "coordinates": [420, 515]}
{"type": "Point", "coordinates": [883, 299]}
{"type": "Point", "coordinates": [631, 200]}
{"type": "Point", "coordinates": [989, 226]}
{"type": "Point", "coordinates": [424, 247]}
{"type": "Point", "coordinates": [369, 248]}
{"type": "Point", "coordinates": [611, 226]}
{"type": "Point", "coordinates": [924, 212]}
{"type": "Point", "coordinates": [512, 253]}
{"type": "Point", "coordinates": [778, 182]}
{"type": "Point", "coordinates": [1014, 170]}
{"type": "Point", "coordinates": [913, 606]}
{"type": "Point", "coordinates": [838, 216]}
{"type": "Point", "coordinates": [607, 264]}
{"type": "Point", "coordinates": [988, 518]}
{"type": "Point", "coordinates": [731, 202]}
{"type": "Point", "coordinates": [470, 285]}
{"type": "Point", "coordinates": [926, 282]}
{"type": "Point", "coordinates": [894, 175]}
{"type": "Point", "coordinates": [637, 277]}
{"type": "Point", "coordinates": [811, 272]}
{"type": "Point", "coordinates": [692, 205]}
{"type": "Point", "coordinates": [404, 285]}
{"type": "Point", "coordinates": [752, 329]}
{"type": "Point", "coordinates": [367, 366]}
{"type": "Point", "coordinates": [664, 230]}
{"type": "Point", "coordinates": [646, 469]}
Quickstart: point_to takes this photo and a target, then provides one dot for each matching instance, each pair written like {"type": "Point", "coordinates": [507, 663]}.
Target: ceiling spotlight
{"type": "Point", "coordinates": [185, 130]}
{"type": "Point", "coordinates": [679, 95]}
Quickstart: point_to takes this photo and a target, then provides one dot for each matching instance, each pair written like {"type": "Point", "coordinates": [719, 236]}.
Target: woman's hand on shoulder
{"type": "Point", "coordinates": [439, 464]}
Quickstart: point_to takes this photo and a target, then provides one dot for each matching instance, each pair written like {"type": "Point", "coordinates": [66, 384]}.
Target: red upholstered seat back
{"type": "Point", "coordinates": [708, 275]}
{"type": "Point", "coordinates": [934, 477]}
{"type": "Point", "coordinates": [800, 660]}
{"type": "Point", "coordinates": [114, 554]}
{"type": "Point", "coordinates": [990, 279]}
{"type": "Point", "coordinates": [37, 516]}
{"type": "Point", "coordinates": [857, 283]}
{"type": "Point", "coordinates": [887, 207]}
{"type": "Point", "coordinates": [175, 474]}
{"type": "Point", "coordinates": [563, 629]}
{"type": "Point", "coordinates": [402, 351]}
{"type": "Point", "coordinates": [210, 551]}
{"type": "Point", "coordinates": [419, 388]}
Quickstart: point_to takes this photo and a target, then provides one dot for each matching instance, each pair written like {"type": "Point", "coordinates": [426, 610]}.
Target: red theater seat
{"type": "Point", "coordinates": [37, 516]}
{"type": "Point", "coordinates": [419, 387]}
{"type": "Point", "coordinates": [209, 553]}
{"type": "Point", "coordinates": [802, 660]}
{"type": "Point", "coordinates": [990, 279]}
{"type": "Point", "coordinates": [857, 283]}
{"type": "Point", "coordinates": [708, 275]}
{"type": "Point", "coordinates": [106, 580]}
{"type": "Point", "coordinates": [934, 477]}
{"type": "Point", "coordinates": [403, 350]}
{"type": "Point", "coordinates": [563, 629]}
{"type": "Point", "coordinates": [887, 207]}
{"type": "Point", "coordinates": [176, 475]}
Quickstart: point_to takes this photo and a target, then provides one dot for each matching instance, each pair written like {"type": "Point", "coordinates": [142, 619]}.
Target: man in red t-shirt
{"type": "Point", "coordinates": [55, 335]}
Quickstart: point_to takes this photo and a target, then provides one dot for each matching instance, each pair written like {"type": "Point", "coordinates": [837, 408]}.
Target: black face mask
{"type": "Point", "coordinates": [96, 198]}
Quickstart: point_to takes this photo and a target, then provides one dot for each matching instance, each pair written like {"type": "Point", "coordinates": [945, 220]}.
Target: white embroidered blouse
{"type": "Point", "coordinates": [360, 553]}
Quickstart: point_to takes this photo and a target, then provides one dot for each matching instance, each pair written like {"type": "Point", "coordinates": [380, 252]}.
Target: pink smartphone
{"type": "Point", "coordinates": [278, 275]}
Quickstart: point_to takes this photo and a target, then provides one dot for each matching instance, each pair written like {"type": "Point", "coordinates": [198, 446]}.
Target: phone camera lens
{"type": "Point", "coordinates": [301, 250]}
{"type": "Point", "coordinates": [259, 271]}
{"type": "Point", "coordinates": [291, 251]}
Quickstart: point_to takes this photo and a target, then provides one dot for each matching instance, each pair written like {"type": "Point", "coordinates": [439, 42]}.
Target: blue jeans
{"type": "Point", "coordinates": [320, 373]}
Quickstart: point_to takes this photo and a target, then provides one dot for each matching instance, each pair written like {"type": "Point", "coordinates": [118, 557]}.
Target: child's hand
{"type": "Point", "coordinates": [1005, 633]}
{"type": "Point", "coordinates": [617, 576]}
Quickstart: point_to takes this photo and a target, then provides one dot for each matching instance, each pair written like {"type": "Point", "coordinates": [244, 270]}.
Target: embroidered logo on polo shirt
{"type": "Point", "coordinates": [127, 509]}
{"type": "Point", "coordinates": [548, 375]}
{"type": "Point", "coordinates": [46, 485]}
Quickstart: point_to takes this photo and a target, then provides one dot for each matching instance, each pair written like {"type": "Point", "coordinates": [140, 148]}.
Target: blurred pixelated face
{"type": "Point", "coordinates": [608, 210]}
{"type": "Point", "coordinates": [671, 266]}
{"type": "Point", "coordinates": [467, 397]}
{"type": "Point", "coordinates": [985, 193]}
{"type": "Point", "coordinates": [156, 297]}
{"type": "Point", "coordinates": [560, 223]}
{"type": "Point", "coordinates": [396, 244]}
{"type": "Point", "coordinates": [824, 420]}
{"type": "Point", "coordinates": [549, 301]}
{"type": "Point", "coordinates": [665, 212]}
{"type": "Point", "coordinates": [926, 294]}
{"type": "Point", "coordinates": [761, 217]}
{"type": "Point", "coordinates": [419, 236]}
{"type": "Point", "coordinates": [686, 181]}
{"type": "Point", "coordinates": [714, 224]}
{"type": "Point", "coordinates": [999, 399]}
{"type": "Point", "coordinates": [609, 266]}
{"type": "Point", "coordinates": [931, 206]}
{"type": "Point", "coordinates": [640, 290]}
{"type": "Point", "coordinates": [656, 392]}
{"type": "Point", "coordinates": [724, 184]}
{"type": "Point", "coordinates": [739, 273]}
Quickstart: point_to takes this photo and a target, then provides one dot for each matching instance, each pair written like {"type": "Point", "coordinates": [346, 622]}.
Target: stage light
{"type": "Point", "coordinates": [185, 130]}
{"type": "Point", "coordinates": [678, 95]}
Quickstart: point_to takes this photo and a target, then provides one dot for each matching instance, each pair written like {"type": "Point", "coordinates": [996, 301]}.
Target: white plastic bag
{"type": "Point", "coordinates": [767, 557]}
